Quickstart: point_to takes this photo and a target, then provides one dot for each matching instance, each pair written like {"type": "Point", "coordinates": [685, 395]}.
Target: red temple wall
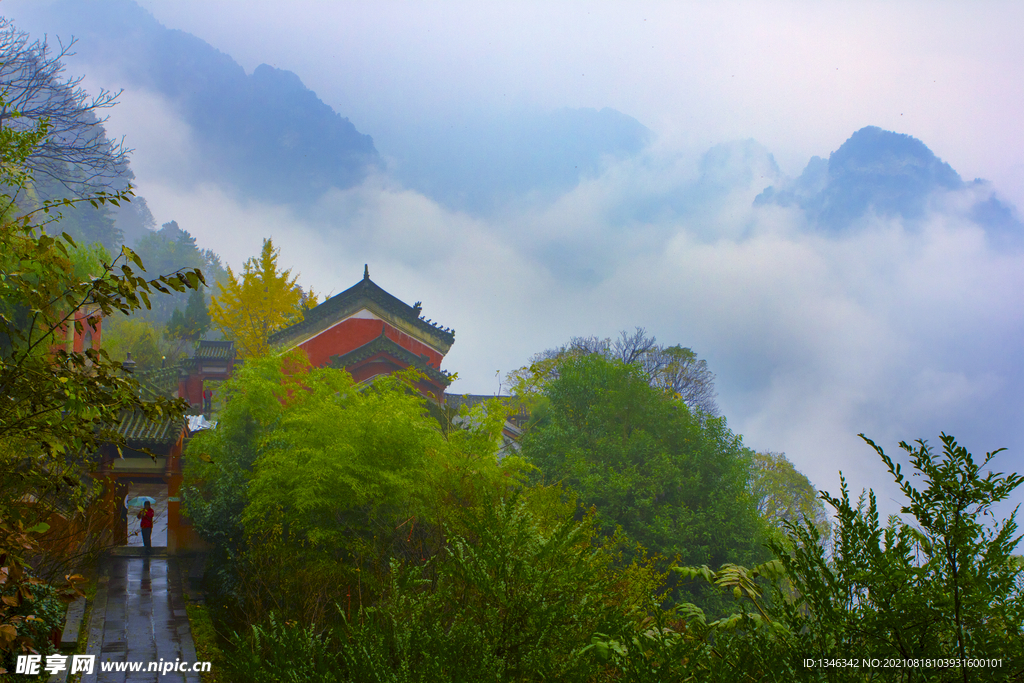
{"type": "Point", "coordinates": [409, 342]}
{"type": "Point", "coordinates": [383, 364]}
{"type": "Point", "coordinates": [350, 334]}
{"type": "Point", "coordinates": [78, 342]}
{"type": "Point", "coordinates": [191, 389]}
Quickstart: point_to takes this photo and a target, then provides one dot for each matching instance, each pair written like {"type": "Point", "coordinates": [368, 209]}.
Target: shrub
{"type": "Point", "coordinates": [35, 618]}
{"type": "Point", "coordinates": [283, 652]}
{"type": "Point", "coordinates": [941, 585]}
{"type": "Point", "coordinates": [506, 601]}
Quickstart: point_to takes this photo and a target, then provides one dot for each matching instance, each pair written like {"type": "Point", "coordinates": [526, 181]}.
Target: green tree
{"type": "Point", "coordinates": [87, 224]}
{"type": "Point", "coordinates": [971, 574]}
{"type": "Point", "coordinates": [169, 249]}
{"type": "Point", "coordinates": [219, 467]}
{"type": "Point", "coordinates": [249, 309]}
{"type": "Point", "coordinates": [339, 472]}
{"type": "Point", "coordinates": [58, 403]}
{"type": "Point", "coordinates": [134, 335]}
{"type": "Point", "coordinates": [782, 494]}
{"type": "Point", "coordinates": [673, 482]}
{"type": "Point", "coordinates": [510, 597]}
{"type": "Point", "coordinates": [191, 325]}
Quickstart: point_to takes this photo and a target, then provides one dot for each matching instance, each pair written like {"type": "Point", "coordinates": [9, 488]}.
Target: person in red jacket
{"type": "Point", "coordinates": [146, 515]}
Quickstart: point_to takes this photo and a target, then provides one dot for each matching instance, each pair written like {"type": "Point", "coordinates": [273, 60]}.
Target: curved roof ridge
{"type": "Point", "coordinates": [391, 347]}
{"type": "Point", "coordinates": [368, 289]}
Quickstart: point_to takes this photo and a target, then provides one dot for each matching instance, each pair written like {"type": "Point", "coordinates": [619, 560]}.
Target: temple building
{"type": "Point", "coordinates": [368, 332]}
{"type": "Point", "coordinates": [211, 363]}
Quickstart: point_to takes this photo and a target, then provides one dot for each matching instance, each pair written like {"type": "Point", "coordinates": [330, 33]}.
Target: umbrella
{"type": "Point", "coordinates": [139, 500]}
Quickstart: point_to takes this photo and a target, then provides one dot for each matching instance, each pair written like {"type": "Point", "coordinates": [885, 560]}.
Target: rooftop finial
{"type": "Point", "coordinates": [366, 271]}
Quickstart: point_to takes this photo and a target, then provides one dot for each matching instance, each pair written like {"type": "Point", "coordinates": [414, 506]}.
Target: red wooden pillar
{"type": "Point", "coordinates": [173, 477]}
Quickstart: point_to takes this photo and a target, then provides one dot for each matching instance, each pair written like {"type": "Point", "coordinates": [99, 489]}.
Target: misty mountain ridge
{"type": "Point", "coordinates": [485, 162]}
{"type": "Point", "coordinates": [270, 138]}
{"type": "Point", "coordinates": [265, 135]}
{"type": "Point", "coordinates": [885, 174]}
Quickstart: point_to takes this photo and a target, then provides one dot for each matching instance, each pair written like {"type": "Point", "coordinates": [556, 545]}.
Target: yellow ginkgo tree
{"type": "Point", "coordinates": [257, 302]}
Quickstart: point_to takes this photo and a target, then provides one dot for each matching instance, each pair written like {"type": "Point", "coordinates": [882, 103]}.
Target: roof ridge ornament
{"type": "Point", "coordinates": [366, 271]}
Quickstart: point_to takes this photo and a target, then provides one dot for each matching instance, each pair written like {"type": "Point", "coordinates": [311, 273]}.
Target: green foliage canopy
{"type": "Point", "coordinates": [338, 455]}
{"type": "Point", "coordinates": [673, 482]}
{"type": "Point", "coordinates": [136, 336]}
{"type": "Point", "coordinates": [939, 586]}
{"type": "Point", "coordinates": [168, 250]}
{"type": "Point", "coordinates": [191, 325]}
{"type": "Point", "coordinates": [331, 479]}
{"type": "Point", "coordinates": [783, 494]}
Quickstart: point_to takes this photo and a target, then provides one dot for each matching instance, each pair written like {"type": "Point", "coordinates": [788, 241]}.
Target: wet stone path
{"type": "Point", "coordinates": [139, 616]}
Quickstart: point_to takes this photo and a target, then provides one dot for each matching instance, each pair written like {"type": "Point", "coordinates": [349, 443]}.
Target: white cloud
{"type": "Point", "coordinates": [163, 143]}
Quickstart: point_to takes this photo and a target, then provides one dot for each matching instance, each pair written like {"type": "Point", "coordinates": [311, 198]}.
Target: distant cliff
{"type": "Point", "coordinates": [264, 134]}
{"type": "Point", "coordinates": [884, 174]}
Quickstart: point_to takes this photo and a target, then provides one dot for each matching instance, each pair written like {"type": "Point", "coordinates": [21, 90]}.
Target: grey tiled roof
{"type": "Point", "coordinates": [159, 382]}
{"type": "Point", "coordinates": [383, 344]}
{"type": "Point", "coordinates": [349, 301]}
{"type": "Point", "coordinates": [136, 427]}
{"type": "Point", "coordinates": [215, 350]}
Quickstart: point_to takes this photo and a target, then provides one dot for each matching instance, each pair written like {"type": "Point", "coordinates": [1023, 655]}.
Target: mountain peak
{"type": "Point", "coordinates": [876, 154]}
{"type": "Point", "coordinates": [875, 170]}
